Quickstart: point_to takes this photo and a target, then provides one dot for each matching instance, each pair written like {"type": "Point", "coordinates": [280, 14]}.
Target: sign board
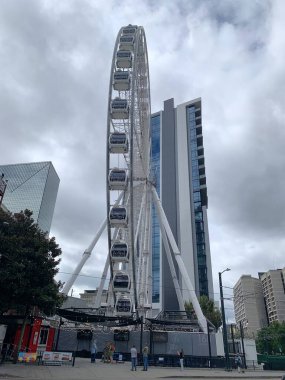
{"type": "Point", "coordinates": [27, 357]}
{"type": "Point", "coordinates": [160, 337]}
{"type": "Point", "coordinates": [122, 336]}
{"type": "Point", "coordinates": [51, 356]}
{"type": "Point", "coordinates": [84, 334]}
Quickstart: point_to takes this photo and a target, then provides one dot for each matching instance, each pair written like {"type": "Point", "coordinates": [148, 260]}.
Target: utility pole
{"type": "Point", "coordinates": [225, 335]}
{"type": "Point", "coordinates": [209, 345]}
{"type": "Point", "coordinates": [242, 343]}
{"type": "Point", "coordinates": [233, 338]}
{"type": "Point", "coordinates": [3, 185]}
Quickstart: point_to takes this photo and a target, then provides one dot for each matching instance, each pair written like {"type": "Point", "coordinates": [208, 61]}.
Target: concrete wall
{"type": "Point", "coordinates": [168, 197]}
{"type": "Point", "coordinates": [185, 214]}
{"type": "Point", "coordinates": [220, 344]}
{"type": "Point", "coordinates": [249, 347]}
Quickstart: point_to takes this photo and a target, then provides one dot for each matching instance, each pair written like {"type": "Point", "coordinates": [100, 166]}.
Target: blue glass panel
{"type": "Point", "coordinates": [196, 184]}
{"type": "Point", "coordinates": [155, 165]}
{"type": "Point", "coordinates": [197, 196]}
{"type": "Point", "coordinates": [195, 173]}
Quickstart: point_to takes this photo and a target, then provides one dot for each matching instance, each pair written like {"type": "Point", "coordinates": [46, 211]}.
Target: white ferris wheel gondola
{"type": "Point", "coordinates": [121, 282]}
{"type": "Point", "coordinates": [124, 59]}
{"type": "Point", "coordinates": [123, 305]}
{"type": "Point", "coordinates": [122, 80]}
{"type": "Point", "coordinates": [129, 30]}
{"type": "Point", "coordinates": [120, 109]}
{"type": "Point", "coordinates": [118, 179]}
{"type": "Point", "coordinates": [118, 142]}
{"type": "Point", "coordinates": [119, 251]}
{"type": "Point", "coordinates": [127, 42]}
{"type": "Point", "coordinates": [118, 217]}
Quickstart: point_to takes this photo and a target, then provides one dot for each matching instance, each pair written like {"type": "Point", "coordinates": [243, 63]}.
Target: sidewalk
{"type": "Point", "coordinates": [84, 370]}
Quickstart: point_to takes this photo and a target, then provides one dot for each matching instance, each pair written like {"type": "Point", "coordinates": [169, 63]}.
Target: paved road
{"type": "Point", "coordinates": [84, 370]}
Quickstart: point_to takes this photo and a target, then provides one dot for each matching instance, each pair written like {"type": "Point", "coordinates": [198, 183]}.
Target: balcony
{"type": "Point", "coordinates": [201, 160]}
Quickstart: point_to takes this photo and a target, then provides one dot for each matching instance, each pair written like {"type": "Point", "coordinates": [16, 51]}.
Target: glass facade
{"type": "Point", "coordinates": [32, 186]}
{"type": "Point", "coordinates": [155, 166]}
{"type": "Point", "coordinates": [193, 119]}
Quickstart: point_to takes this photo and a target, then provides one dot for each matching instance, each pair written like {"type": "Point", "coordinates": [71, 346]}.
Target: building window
{"type": "Point", "coordinates": [196, 184]}
{"type": "Point", "coordinates": [198, 216]}
{"type": "Point", "coordinates": [197, 196]}
{"type": "Point", "coordinates": [43, 336]}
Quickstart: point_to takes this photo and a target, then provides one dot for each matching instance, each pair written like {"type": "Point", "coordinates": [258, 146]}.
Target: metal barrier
{"type": "Point", "coordinates": [173, 360]}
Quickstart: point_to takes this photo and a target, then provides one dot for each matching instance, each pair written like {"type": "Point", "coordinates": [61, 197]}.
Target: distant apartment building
{"type": "Point", "coordinates": [31, 186]}
{"type": "Point", "coordinates": [249, 305]}
{"type": "Point", "coordinates": [274, 294]}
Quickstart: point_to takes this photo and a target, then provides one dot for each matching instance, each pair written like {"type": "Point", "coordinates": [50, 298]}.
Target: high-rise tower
{"type": "Point", "coordinates": [178, 167]}
{"type": "Point", "coordinates": [31, 186]}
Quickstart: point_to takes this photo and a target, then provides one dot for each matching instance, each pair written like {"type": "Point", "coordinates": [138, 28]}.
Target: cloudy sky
{"type": "Point", "coordinates": [55, 59]}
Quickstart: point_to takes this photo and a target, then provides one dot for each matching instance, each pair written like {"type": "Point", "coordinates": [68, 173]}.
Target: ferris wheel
{"type": "Point", "coordinates": [128, 152]}
{"type": "Point", "coordinates": [131, 193]}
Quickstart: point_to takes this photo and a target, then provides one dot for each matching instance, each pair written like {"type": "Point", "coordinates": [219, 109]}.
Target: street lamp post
{"type": "Point", "coordinates": [233, 339]}
{"type": "Point", "coordinates": [225, 336]}
{"type": "Point", "coordinates": [209, 345]}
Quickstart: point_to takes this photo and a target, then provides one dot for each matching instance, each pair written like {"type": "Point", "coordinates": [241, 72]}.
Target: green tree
{"type": "Point", "coordinates": [210, 311]}
{"type": "Point", "coordinates": [28, 263]}
{"type": "Point", "coordinates": [271, 339]}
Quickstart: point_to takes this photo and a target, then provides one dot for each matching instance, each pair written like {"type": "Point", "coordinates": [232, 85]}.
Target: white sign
{"type": "Point", "coordinates": [51, 356]}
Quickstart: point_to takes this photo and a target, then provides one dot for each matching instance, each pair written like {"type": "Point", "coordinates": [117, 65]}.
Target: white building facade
{"type": "Point", "coordinates": [249, 305]}
{"type": "Point", "coordinates": [260, 301]}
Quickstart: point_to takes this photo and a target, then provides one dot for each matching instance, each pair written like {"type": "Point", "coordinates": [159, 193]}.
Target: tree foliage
{"type": "Point", "coordinates": [28, 264]}
{"type": "Point", "coordinates": [210, 311]}
{"type": "Point", "coordinates": [271, 339]}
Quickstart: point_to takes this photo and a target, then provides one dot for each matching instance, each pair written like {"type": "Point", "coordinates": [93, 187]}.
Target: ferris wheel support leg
{"type": "Point", "coordinates": [170, 262]}
{"type": "Point", "coordinates": [140, 218]}
{"type": "Point", "coordinates": [145, 252]}
{"type": "Point", "coordinates": [172, 268]}
{"type": "Point", "coordinates": [140, 226]}
{"type": "Point", "coordinates": [85, 257]}
{"type": "Point", "coordinates": [87, 254]}
{"type": "Point", "coordinates": [147, 222]}
{"type": "Point", "coordinates": [102, 283]}
{"type": "Point", "coordinates": [192, 296]}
